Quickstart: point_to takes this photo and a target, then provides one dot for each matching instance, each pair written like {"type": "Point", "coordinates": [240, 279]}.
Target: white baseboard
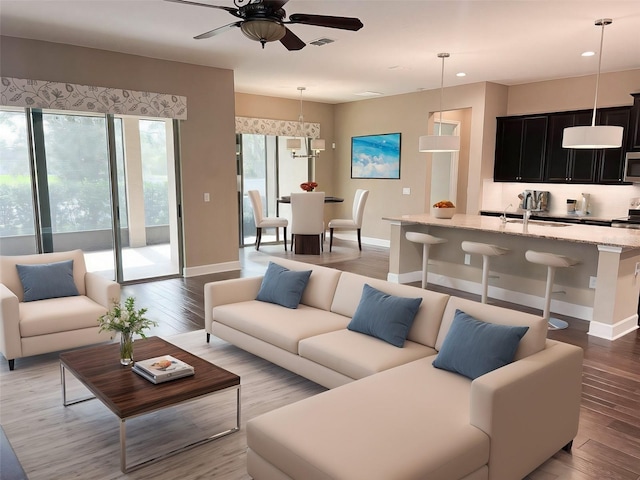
{"type": "Point", "coordinates": [213, 268]}
{"type": "Point", "coordinates": [557, 306]}
{"type": "Point", "coordinates": [617, 330]}
{"type": "Point", "coordinates": [353, 237]}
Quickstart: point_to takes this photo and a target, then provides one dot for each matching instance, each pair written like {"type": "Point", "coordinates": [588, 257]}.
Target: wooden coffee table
{"type": "Point", "coordinates": [129, 395]}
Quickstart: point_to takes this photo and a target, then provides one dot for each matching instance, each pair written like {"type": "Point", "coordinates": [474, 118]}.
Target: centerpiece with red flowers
{"type": "Point", "coordinates": [308, 186]}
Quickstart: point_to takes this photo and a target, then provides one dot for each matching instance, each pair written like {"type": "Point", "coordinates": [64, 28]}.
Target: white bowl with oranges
{"type": "Point", "coordinates": [443, 209]}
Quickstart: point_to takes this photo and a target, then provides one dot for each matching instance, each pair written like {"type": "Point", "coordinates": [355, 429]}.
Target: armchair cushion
{"type": "Point", "coordinates": [47, 280]}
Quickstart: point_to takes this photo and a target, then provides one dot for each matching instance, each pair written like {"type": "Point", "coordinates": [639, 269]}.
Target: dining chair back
{"type": "Point", "coordinates": [265, 222]}
{"type": "Point", "coordinates": [353, 223]}
{"type": "Point", "coordinates": [307, 214]}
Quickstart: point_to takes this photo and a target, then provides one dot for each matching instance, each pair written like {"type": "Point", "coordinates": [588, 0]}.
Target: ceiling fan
{"type": "Point", "coordinates": [264, 21]}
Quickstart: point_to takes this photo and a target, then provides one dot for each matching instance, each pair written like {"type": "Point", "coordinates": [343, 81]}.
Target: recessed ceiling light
{"type": "Point", "coordinates": [368, 94]}
{"type": "Point", "coordinates": [461, 74]}
{"type": "Point", "coordinates": [321, 41]}
{"type": "Point", "coordinates": [588, 54]}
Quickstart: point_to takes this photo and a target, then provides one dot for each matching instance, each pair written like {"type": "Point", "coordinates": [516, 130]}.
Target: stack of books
{"type": "Point", "coordinates": [162, 369]}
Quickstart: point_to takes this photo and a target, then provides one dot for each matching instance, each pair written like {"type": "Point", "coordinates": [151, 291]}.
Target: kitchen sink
{"type": "Point", "coordinates": [539, 222]}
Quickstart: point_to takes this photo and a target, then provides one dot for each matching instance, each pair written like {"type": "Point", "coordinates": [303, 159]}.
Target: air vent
{"type": "Point", "coordinates": [321, 41]}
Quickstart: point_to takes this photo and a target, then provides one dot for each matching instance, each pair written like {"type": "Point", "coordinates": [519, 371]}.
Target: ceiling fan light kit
{"type": "Point", "coordinates": [439, 143]}
{"type": "Point", "coordinates": [594, 136]}
{"type": "Point", "coordinates": [264, 21]}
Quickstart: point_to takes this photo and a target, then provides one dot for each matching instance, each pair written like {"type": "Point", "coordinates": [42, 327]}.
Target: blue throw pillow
{"type": "Point", "coordinates": [473, 348]}
{"type": "Point", "coordinates": [283, 286]}
{"type": "Point", "coordinates": [384, 316]}
{"type": "Point", "coordinates": [47, 280]}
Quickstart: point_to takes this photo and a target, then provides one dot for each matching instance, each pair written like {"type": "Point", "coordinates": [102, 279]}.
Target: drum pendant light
{"type": "Point", "coordinates": [439, 143]}
{"type": "Point", "coordinates": [594, 136]}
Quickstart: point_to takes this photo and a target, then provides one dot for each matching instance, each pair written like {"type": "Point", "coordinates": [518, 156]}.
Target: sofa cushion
{"type": "Point", "coordinates": [282, 327]}
{"type": "Point", "coordinates": [283, 286]}
{"type": "Point", "coordinates": [427, 321]}
{"type": "Point", "coordinates": [409, 422]}
{"type": "Point", "coordinates": [473, 348]}
{"type": "Point", "coordinates": [321, 286]}
{"type": "Point", "coordinates": [356, 355]}
{"type": "Point", "coordinates": [47, 280]}
{"type": "Point", "coordinates": [384, 316]}
{"type": "Point", "coordinates": [532, 342]}
{"type": "Point", "coordinates": [58, 315]}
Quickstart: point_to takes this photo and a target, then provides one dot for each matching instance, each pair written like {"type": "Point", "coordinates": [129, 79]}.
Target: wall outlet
{"type": "Point", "coordinates": [592, 282]}
{"type": "Point", "coordinates": [467, 259]}
{"type": "Point", "coordinates": [207, 198]}
{"type": "Point", "coordinates": [406, 191]}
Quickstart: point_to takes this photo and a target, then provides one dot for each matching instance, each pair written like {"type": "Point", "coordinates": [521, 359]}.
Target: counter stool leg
{"type": "Point", "coordinates": [485, 278]}
{"type": "Point", "coordinates": [554, 323]}
{"type": "Point", "coordinates": [425, 264]}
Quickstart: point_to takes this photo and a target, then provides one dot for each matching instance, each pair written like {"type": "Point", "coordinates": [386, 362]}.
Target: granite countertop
{"type": "Point", "coordinates": [571, 232]}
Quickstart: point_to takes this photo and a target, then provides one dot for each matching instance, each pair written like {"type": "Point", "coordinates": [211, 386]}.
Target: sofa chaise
{"type": "Point", "coordinates": [64, 320]}
{"type": "Point", "coordinates": [389, 413]}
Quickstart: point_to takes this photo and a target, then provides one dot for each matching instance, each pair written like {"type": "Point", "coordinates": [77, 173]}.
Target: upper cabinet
{"type": "Point", "coordinates": [520, 149]}
{"type": "Point", "coordinates": [529, 147]}
{"type": "Point", "coordinates": [568, 165]}
{"type": "Point", "coordinates": [634, 131]}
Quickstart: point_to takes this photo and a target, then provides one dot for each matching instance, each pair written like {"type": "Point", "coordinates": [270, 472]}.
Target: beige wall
{"type": "Point", "coordinates": [208, 135]}
{"type": "Point", "coordinates": [574, 93]}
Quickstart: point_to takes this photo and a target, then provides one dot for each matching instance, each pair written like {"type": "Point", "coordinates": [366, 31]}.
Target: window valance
{"type": "Point", "coordinates": [20, 92]}
{"type": "Point", "coordinates": [283, 128]}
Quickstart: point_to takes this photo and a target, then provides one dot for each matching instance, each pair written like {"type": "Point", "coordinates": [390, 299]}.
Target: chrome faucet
{"type": "Point", "coordinates": [503, 217]}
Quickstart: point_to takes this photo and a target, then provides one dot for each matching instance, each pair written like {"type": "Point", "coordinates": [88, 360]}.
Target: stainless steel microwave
{"type": "Point", "coordinates": [632, 167]}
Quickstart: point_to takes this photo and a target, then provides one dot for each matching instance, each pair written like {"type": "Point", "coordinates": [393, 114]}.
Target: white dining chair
{"type": "Point", "coordinates": [353, 223]}
{"type": "Point", "coordinates": [307, 215]}
{"type": "Point", "coordinates": [265, 222]}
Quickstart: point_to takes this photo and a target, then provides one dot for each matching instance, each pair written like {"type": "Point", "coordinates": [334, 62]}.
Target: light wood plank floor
{"type": "Point", "coordinates": [607, 445]}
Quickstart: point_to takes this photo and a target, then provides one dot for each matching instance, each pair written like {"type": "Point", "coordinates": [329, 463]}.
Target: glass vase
{"type": "Point", "coordinates": [126, 348]}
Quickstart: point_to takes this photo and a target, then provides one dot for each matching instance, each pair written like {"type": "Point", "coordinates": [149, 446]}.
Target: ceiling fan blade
{"type": "Point", "coordinates": [343, 23]}
{"type": "Point", "coordinates": [232, 11]}
{"type": "Point", "coordinates": [275, 4]}
{"type": "Point", "coordinates": [291, 41]}
{"type": "Point", "coordinates": [217, 31]}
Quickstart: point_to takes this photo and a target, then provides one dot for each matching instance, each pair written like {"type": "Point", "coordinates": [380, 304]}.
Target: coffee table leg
{"type": "Point", "coordinates": [63, 382]}
{"type": "Point", "coordinates": [123, 446]}
{"type": "Point", "coordinates": [123, 438]}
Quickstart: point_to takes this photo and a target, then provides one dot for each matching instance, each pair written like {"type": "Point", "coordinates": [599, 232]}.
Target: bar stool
{"type": "Point", "coordinates": [552, 261]}
{"type": "Point", "coordinates": [487, 251]}
{"type": "Point", "coordinates": [426, 240]}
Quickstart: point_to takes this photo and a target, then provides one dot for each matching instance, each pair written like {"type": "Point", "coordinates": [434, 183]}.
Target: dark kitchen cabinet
{"type": "Point", "coordinates": [566, 165]}
{"type": "Point", "coordinates": [520, 149]}
{"type": "Point", "coordinates": [633, 143]}
{"type": "Point", "coordinates": [611, 160]}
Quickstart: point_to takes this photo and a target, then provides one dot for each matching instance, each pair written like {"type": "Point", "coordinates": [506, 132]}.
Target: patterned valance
{"type": "Point", "coordinates": [283, 128]}
{"type": "Point", "coordinates": [19, 92]}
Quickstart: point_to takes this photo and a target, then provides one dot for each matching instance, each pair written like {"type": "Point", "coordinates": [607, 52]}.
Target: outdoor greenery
{"type": "Point", "coordinates": [78, 173]}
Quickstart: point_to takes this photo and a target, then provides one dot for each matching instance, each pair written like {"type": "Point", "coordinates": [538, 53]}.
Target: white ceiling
{"type": "Point", "coordinates": [504, 41]}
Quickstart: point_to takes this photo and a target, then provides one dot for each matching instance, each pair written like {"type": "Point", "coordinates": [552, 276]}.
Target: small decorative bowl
{"type": "Point", "coordinates": [443, 212]}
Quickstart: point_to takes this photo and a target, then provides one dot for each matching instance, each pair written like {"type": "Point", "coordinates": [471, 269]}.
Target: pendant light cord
{"type": "Point", "coordinates": [441, 94]}
{"type": "Point", "coordinates": [301, 117]}
{"type": "Point", "coordinates": [603, 23]}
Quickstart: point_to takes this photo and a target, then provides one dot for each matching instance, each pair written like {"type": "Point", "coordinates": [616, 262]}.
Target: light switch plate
{"type": "Point", "coordinates": [207, 198]}
{"type": "Point", "coordinates": [406, 191]}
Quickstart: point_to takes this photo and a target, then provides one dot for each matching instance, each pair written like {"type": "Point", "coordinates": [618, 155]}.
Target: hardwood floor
{"type": "Point", "coordinates": [608, 442]}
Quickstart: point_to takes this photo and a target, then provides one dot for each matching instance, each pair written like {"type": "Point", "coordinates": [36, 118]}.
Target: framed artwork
{"type": "Point", "coordinates": [376, 156]}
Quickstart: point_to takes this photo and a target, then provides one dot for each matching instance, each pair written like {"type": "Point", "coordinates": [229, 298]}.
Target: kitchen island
{"type": "Point", "coordinates": [609, 260]}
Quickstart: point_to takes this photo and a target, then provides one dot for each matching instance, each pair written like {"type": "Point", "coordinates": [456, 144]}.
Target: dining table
{"type": "Point", "coordinates": [306, 244]}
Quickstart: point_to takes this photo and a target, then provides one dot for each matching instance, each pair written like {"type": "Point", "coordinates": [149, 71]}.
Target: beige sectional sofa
{"type": "Point", "coordinates": [390, 414]}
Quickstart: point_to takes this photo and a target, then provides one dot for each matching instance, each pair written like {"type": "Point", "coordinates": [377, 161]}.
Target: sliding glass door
{"type": "Point", "coordinates": [17, 225]}
{"type": "Point", "coordinates": [266, 165]}
{"type": "Point", "coordinates": [57, 192]}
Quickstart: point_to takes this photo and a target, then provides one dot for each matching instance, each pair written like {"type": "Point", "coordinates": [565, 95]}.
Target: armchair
{"type": "Point", "coordinates": [41, 326]}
